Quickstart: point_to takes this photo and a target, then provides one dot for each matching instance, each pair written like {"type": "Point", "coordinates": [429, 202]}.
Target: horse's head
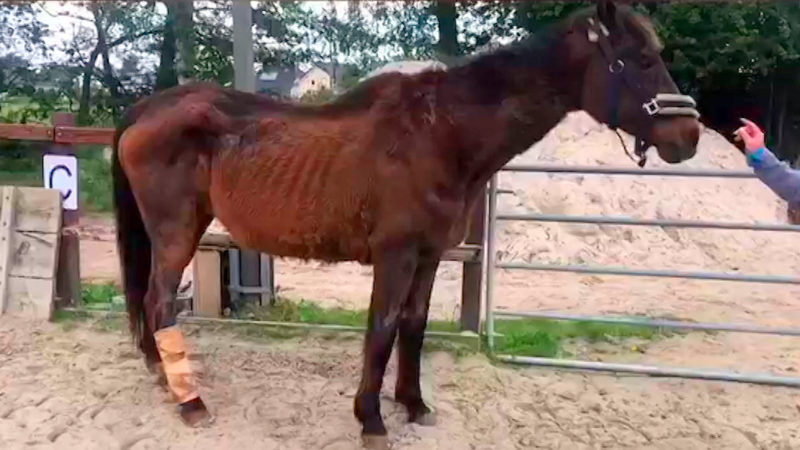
{"type": "Point", "coordinates": [626, 84]}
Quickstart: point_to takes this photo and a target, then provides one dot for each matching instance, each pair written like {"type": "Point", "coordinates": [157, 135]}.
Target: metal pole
{"type": "Point", "coordinates": [490, 262]}
{"type": "Point", "coordinates": [655, 323]}
{"type": "Point", "coordinates": [304, 325]}
{"type": "Point", "coordinates": [628, 171]}
{"type": "Point", "coordinates": [769, 379]}
{"type": "Point", "coordinates": [621, 220]}
{"type": "Point", "coordinates": [197, 320]}
{"type": "Point", "coordinates": [604, 270]}
{"type": "Point", "coordinates": [254, 266]}
{"type": "Point", "coordinates": [244, 75]}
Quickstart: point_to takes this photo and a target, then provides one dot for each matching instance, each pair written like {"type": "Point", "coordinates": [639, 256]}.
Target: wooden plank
{"type": "Point", "coordinates": [464, 253]}
{"type": "Point", "coordinates": [26, 132]}
{"type": "Point", "coordinates": [33, 255]}
{"type": "Point", "coordinates": [6, 222]}
{"type": "Point", "coordinates": [32, 297]}
{"type": "Point", "coordinates": [39, 210]}
{"type": "Point", "coordinates": [472, 270]}
{"type": "Point", "coordinates": [83, 135]}
{"type": "Point", "coordinates": [207, 297]}
{"type": "Point", "coordinates": [60, 134]}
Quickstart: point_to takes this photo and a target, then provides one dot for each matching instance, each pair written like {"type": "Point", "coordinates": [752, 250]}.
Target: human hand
{"type": "Point", "coordinates": [750, 135]}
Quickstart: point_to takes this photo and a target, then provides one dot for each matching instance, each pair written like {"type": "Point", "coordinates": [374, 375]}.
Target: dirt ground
{"type": "Point", "coordinates": [88, 389]}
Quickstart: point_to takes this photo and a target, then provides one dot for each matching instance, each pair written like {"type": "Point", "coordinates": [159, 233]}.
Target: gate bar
{"type": "Point", "coordinates": [622, 220]}
{"type": "Point", "coordinates": [491, 260]}
{"type": "Point", "coordinates": [757, 378]}
{"type": "Point", "coordinates": [605, 270]}
{"type": "Point", "coordinates": [655, 323]}
{"type": "Point", "coordinates": [628, 171]}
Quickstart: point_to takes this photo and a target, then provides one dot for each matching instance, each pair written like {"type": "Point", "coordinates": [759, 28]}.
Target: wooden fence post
{"type": "Point", "coordinates": [68, 278]}
{"type": "Point", "coordinates": [472, 274]}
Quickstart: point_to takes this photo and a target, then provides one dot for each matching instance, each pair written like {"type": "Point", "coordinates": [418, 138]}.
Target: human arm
{"type": "Point", "coordinates": [775, 174]}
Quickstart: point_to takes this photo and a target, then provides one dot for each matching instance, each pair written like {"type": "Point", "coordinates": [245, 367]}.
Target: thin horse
{"type": "Point", "coordinates": [387, 174]}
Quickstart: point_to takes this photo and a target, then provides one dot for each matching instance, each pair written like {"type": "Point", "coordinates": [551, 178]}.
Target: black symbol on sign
{"type": "Point", "coordinates": [69, 174]}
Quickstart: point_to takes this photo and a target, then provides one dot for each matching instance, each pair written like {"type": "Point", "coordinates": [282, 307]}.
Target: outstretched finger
{"type": "Point", "coordinates": [750, 126]}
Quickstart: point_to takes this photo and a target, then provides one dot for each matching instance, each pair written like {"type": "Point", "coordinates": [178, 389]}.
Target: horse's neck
{"type": "Point", "coordinates": [497, 120]}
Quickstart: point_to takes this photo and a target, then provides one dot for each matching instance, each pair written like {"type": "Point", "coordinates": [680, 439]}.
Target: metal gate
{"type": "Point", "coordinates": [492, 265]}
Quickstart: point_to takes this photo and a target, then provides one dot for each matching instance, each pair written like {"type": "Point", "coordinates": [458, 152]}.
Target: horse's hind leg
{"type": "Point", "coordinates": [174, 238]}
{"type": "Point", "coordinates": [413, 320]}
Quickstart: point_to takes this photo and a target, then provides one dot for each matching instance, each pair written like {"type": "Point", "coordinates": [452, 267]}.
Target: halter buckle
{"type": "Point", "coordinates": [617, 66]}
{"type": "Point", "coordinates": [652, 107]}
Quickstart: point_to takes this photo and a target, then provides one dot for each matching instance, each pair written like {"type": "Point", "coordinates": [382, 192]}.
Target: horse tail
{"type": "Point", "coordinates": [133, 243]}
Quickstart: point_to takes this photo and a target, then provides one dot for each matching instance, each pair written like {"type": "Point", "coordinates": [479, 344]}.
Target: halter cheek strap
{"type": "Point", "coordinates": [660, 105]}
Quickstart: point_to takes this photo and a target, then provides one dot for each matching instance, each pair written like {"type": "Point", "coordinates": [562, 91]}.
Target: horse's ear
{"type": "Point", "coordinates": [607, 12]}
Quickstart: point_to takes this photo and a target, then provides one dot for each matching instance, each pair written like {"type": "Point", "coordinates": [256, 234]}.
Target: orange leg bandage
{"type": "Point", "coordinates": [177, 369]}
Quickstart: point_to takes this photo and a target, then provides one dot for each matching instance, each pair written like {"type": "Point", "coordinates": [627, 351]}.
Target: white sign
{"type": "Point", "coordinates": [61, 172]}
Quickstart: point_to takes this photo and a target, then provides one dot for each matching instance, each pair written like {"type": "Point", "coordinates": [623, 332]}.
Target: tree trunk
{"type": "Point", "coordinates": [108, 75]}
{"type": "Point", "coordinates": [86, 88]}
{"type": "Point", "coordinates": [446, 15]}
{"type": "Point", "coordinates": [167, 76]}
{"type": "Point", "coordinates": [185, 36]}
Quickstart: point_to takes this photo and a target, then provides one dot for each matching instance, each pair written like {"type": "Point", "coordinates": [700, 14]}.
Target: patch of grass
{"type": "Point", "coordinates": [304, 311]}
{"type": "Point", "coordinates": [528, 337]}
{"type": "Point", "coordinates": [545, 338]}
{"type": "Point", "coordinates": [95, 293]}
{"type": "Point", "coordinates": [69, 320]}
{"type": "Point", "coordinates": [454, 346]}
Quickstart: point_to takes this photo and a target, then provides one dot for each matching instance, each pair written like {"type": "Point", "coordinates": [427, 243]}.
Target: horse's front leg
{"type": "Point", "coordinates": [412, 324]}
{"type": "Point", "coordinates": [393, 274]}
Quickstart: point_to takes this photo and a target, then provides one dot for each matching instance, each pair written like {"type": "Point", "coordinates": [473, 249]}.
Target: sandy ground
{"type": "Point", "coordinates": [87, 389]}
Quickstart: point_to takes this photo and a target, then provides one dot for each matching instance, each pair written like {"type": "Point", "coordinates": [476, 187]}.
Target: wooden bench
{"type": "Point", "coordinates": [207, 270]}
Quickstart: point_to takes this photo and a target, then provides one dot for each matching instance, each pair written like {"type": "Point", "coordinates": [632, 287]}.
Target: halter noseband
{"type": "Point", "coordinates": [662, 105]}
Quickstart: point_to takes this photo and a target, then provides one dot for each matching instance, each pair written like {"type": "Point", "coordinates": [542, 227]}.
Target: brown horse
{"type": "Point", "coordinates": [386, 175]}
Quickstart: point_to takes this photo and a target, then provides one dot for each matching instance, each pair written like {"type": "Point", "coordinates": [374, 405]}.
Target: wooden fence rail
{"type": "Point", "coordinates": [67, 135]}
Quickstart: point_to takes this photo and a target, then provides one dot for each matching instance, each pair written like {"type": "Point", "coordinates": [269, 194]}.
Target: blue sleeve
{"type": "Point", "coordinates": [776, 174]}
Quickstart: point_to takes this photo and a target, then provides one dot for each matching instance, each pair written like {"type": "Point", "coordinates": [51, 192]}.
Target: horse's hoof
{"type": "Point", "coordinates": [426, 420]}
{"type": "Point", "coordinates": [375, 442]}
{"type": "Point", "coordinates": [195, 414]}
